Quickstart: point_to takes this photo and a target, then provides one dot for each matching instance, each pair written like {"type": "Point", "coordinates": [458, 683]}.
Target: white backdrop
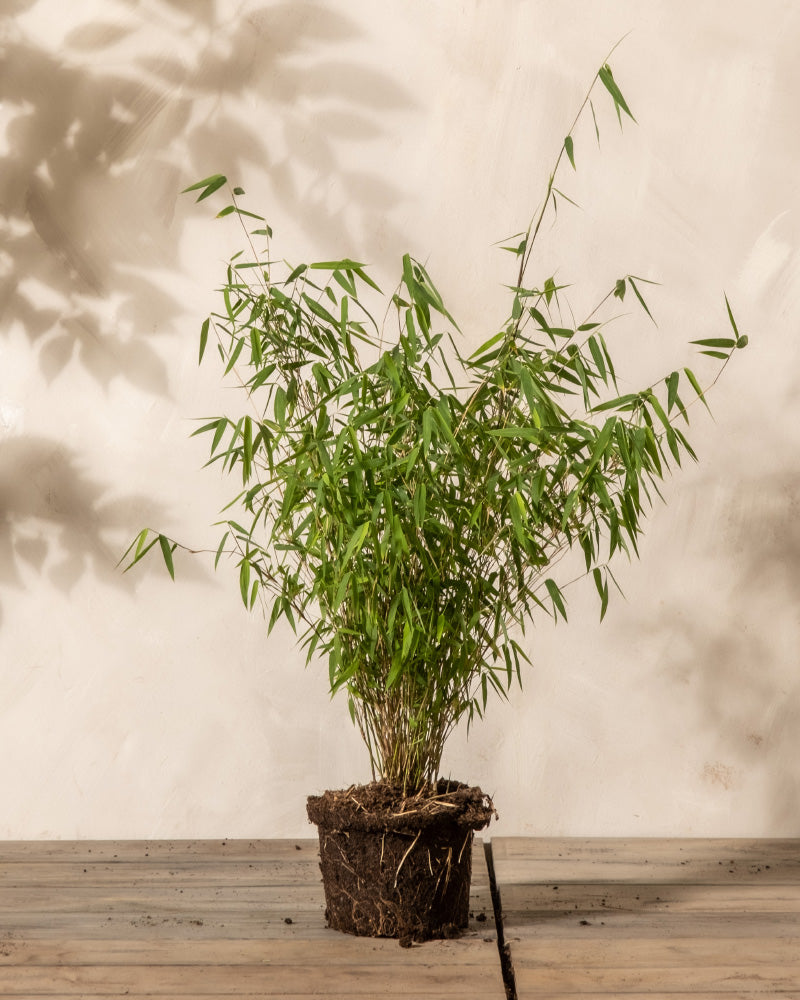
{"type": "Point", "coordinates": [134, 707]}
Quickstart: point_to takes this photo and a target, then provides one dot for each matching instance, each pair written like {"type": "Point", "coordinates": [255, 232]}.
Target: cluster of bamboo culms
{"type": "Point", "coordinates": [409, 512]}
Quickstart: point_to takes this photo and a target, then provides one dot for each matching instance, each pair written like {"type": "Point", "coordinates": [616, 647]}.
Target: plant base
{"type": "Point", "coordinates": [398, 866]}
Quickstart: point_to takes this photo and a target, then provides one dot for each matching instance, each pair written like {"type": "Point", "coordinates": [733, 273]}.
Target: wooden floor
{"type": "Point", "coordinates": [208, 920]}
{"type": "Point", "coordinates": [655, 919]}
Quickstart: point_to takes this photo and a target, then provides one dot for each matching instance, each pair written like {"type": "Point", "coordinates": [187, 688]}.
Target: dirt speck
{"type": "Point", "coordinates": [720, 774]}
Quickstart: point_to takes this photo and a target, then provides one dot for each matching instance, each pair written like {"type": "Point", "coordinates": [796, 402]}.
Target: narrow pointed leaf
{"type": "Point", "coordinates": [569, 146]}
{"type": "Point", "coordinates": [166, 551]}
{"type": "Point", "coordinates": [608, 81]}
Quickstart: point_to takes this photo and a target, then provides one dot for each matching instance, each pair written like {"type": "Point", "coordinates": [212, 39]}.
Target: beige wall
{"type": "Point", "coordinates": [132, 707]}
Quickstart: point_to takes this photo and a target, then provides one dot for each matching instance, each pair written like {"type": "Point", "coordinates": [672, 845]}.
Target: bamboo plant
{"type": "Point", "coordinates": [405, 506]}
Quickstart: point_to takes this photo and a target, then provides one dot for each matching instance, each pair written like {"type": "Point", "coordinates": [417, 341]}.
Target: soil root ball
{"type": "Point", "coordinates": [396, 865]}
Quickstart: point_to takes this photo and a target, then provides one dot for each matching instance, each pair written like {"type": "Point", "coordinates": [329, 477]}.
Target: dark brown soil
{"type": "Point", "coordinates": [398, 866]}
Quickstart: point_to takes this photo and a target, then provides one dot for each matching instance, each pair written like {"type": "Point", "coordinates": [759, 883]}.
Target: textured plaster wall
{"type": "Point", "coordinates": [132, 707]}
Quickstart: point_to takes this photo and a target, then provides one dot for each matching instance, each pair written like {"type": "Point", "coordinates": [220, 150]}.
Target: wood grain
{"type": "Point", "coordinates": [651, 917]}
{"type": "Point", "coordinates": [211, 920]}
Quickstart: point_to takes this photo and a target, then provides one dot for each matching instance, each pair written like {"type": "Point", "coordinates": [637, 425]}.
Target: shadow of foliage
{"type": "Point", "coordinates": [103, 131]}
{"type": "Point", "coordinates": [57, 520]}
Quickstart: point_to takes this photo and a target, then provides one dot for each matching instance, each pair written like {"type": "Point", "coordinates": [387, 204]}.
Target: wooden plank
{"type": "Point", "coordinates": [145, 926]}
{"type": "Point", "coordinates": [110, 899]}
{"type": "Point", "coordinates": [630, 926]}
{"type": "Point", "coordinates": [651, 918]}
{"type": "Point", "coordinates": [646, 860]}
{"type": "Point", "coordinates": [357, 979]}
{"type": "Point", "coordinates": [331, 949]}
{"type": "Point", "coordinates": [172, 850]}
{"type": "Point", "coordinates": [686, 980]}
{"type": "Point", "coordinates": [157, 898]}
{"type": "Point", "coordinates": [692, 898]}
{"type": "Point", "coordinates": [67, 873]}
{"type": "Point", "coordinates": [646, 952]}
{"type": "Point", "coordinates": [295, 993]}
{"type": "Point", "coordinates": [197, 920]}
{"type": "Point", "coordinates": [642, 848]}
{"type": "Point", "coordinates": [744, 994]}
{"type": "Point", "coordinates": [559, 873]}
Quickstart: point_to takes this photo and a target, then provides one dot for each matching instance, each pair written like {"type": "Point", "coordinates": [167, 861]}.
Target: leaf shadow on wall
{"type": "Point", "coordinates": [99, 146]}
{"type": "Point", "coordinates": [99, 142]}
{"type": "Point", "coordinates": [735, 660]}
{"type": "Point", "coordinates": [55, 518]}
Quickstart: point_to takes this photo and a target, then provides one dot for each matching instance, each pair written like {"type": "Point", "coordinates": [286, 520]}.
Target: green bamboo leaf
{"type": "Point", "coordinates": [208, 184]}
{"type": "Point", "coordinates": [594, 119]}
{"type": "Point", "coordinates": [407, 607]}
{"type": "Point", "coordinates": [222, 424]}
{"type": "Point", "coordinates": [345, 264]}
{"type": "Point", "coordinates": [234, 357]}
{"type": "Point", "coordinates": [517, 510]}
{"type": "Point", "coordinates": [279, 406]}
{"type": "Point", "coordinates": [556, 597]}
{"type": "Point", "coordinates": [619, 403]}
{"type": "Point", "coordinates": [561, 194]}
{"type": "Point", "coordinates": [420, 504]}
{"type": "Point", "coordinates": [608, 81]}
{"type": "Point", "coordinates": [522, 433]}
{"type": "Point", "coordinates": [295, 273]}
{"type": "Point", "coordinates": [602, 589]}
{"type": "Point", "coordinates": [658, 409]}
{"type": "Point", "coordinates": [355, 543]}
{"type": "Point", "coordinates": [203, 339]}
{"type": "Point", "coordinates": [139, 549]}
{"type": "Point", "coordinates": [362, 274]}
{"type": "Point", "coordinates": [715, 342]}
{"type": "Point", "coordinates": [244, 581]}
{"type": "Point", "coordinates": [570, 150]}
{"type": "Point", "coordinates": [730, 317]}
{"type": "Point", "coordinates": [320, 310]}
{"type": "Point", "coordinates": [220, 548]}
{"type": "Point", "coordinates": [277, 610]}
{"type": "Point", "coordinates": [638, 295]}
{"type": "Point", "coordinates": [408, 638]}
{"type": "Point", "coordinates": [397, 665]}
{"type": "Point", "coordinates": [672, 390]}
{"type": "Point", "coordinates": [247, 449]}
{"type": "Point", "coordinates": [529, 391]}
{"type": "Point", "coordinates": [167, 549]}
{"type": "Point", "coordinates": [341, 591]}
{"type": "Point", "coordinates": [598, 358]}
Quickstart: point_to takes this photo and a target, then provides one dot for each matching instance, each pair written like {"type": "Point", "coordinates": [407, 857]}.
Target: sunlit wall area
{"type": "Point", "coordinates": [132, 706]}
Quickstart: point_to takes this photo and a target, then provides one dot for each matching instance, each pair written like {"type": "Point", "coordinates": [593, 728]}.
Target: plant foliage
{"type": "Point", "coordinates": [405, 507]}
